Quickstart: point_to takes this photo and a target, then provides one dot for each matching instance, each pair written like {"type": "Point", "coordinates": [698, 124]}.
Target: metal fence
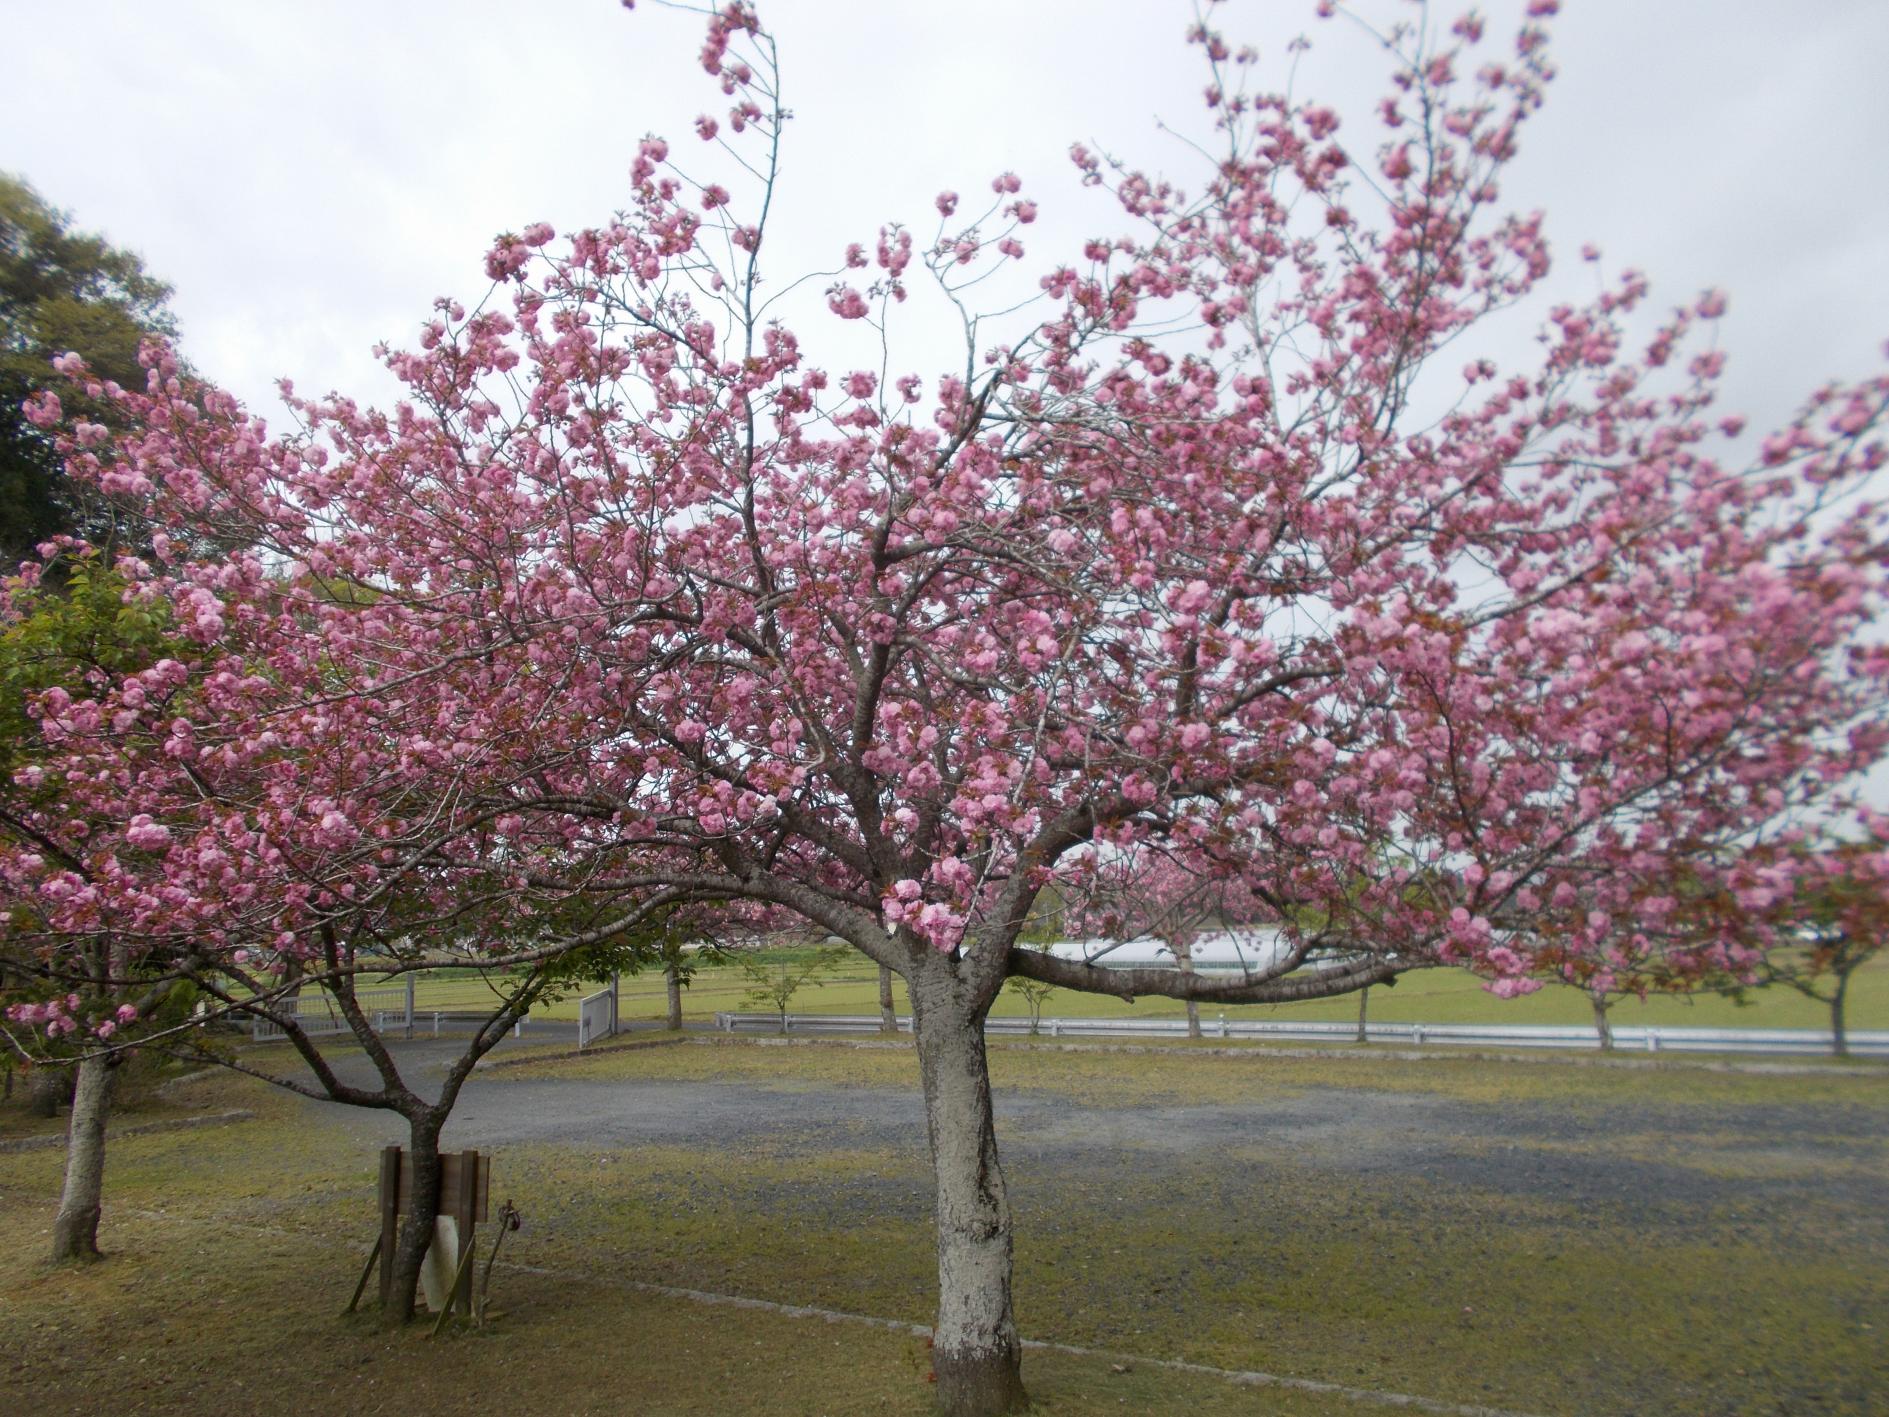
{"type": "Point", "coordinates": [316, 1013]}
{"type": "Point", "coordinates": [390, 1012]}
{"type": "Point", "coordinates": [1801, 1041]}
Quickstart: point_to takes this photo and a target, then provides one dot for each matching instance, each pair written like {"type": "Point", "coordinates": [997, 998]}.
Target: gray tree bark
{"type": "Point", "coordinates": [1601, 1026]}
{"type": "Point", "coordinates": [75, 1228]}
{"type": "Point", "coordinates": [976, 1356]}
{"type": "Point", "coordinates": [1839, 1035]}
{"type": "Point", "coordinates": [1184, 960]}
{"type": "Point", "coordinates": [672, 980]}
{"type": "Point", "coordinates": [416, 1231]}
{"type": "Point", "coordinates": [888, 1015]}
{"type": "Point", "coordinates": [1364, 1004]}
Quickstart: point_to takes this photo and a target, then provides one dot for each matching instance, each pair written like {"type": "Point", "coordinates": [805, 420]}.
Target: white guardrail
{"type": "Point", "coordinates": [1873, 1043]}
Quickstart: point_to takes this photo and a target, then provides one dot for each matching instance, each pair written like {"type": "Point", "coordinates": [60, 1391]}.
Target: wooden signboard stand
{"type": "Point", "coordinates": [465, 1183]}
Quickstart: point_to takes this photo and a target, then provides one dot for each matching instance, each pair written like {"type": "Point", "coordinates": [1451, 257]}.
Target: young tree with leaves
{"type": "Point", "coordinates": [1034, 994]}
{"type": "Point", "coordinates": [775, 977]}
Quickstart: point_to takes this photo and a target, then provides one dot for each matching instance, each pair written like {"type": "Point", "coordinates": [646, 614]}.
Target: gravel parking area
{"type": "Point", "coordinates": [1649, 1162]}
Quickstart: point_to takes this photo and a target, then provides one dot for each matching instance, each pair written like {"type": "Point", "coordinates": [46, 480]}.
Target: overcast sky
{"type": "Point", "coordinates": [309, 177]}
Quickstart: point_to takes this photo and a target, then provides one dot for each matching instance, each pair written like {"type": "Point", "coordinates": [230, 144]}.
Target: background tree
{"type": "Point", "coordinates": [678, 969]}
{"type": "Point", "coordinates": [1834, 921]}
{"type": "Point", "coordinates": [1050, 920]}
{"type": "Point", "coordinates": [1034, 994]}
{"type": "Point", "coordinates": [1147, 892]}
{"type": "Point", "coordinates": [776, 976]}
{"type": "Point", "coordinates": [62, 290]}
{"type": "Point", "coordinates": [78, 639]}
{"type": "Point", "coordinates": [888, 1003]}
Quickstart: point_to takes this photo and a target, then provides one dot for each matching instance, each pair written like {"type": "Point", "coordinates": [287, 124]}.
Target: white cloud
{"type": "Point", "coordinates": [311, 179]}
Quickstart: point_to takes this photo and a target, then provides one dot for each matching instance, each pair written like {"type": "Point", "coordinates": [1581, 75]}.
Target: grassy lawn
{"type": "Point", "coordinates": [1427, 996]}
{"type": "Point", "coordinates": [1723, 1252]}
{"type": "Point", "coordinates": [139, 1094]}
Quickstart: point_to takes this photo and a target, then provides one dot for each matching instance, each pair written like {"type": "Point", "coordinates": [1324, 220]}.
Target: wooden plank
{"type": "Point", "coordinates": [466, 1212]}
{"type": "Point", "coordinates": [366, 1271]}
{"type": "Point", "coordinates": [392, 1173]}
{"type": "Point", "coordinates": [450, 1164]}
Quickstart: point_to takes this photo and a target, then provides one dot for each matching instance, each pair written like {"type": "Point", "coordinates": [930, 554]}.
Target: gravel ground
{"type": "Point", "coordinates": [1650, 1163]}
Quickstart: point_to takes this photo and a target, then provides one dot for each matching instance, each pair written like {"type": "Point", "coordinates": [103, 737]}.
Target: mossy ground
{"type": "Point", "coordinates": [1541, 1238]}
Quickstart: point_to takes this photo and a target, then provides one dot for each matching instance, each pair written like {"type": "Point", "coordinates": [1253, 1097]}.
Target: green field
{"type": "Point", "coordinates": [1550, 1239]}
{"type": "Point", "coordinates": [1427, 996]}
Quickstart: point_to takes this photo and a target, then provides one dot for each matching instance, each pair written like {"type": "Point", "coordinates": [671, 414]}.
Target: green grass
{"type": "Point", "coordinates": [1426, 996]}
{"type": "Point", "coordinates": [1311, 1265]}
{"type": "Point", "coordinates": [1440, 996]}
{"type": "Point", "coordinates": [193, 1318]}
{"type": "Point", "coordinates": [1097, 1076]}
{"type": "Point", "coordinates": [235, 1248]}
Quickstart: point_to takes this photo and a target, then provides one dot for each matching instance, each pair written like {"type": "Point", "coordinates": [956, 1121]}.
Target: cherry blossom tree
{"type": "Point", "coordinates": [1845, 925]}
{"type": "Point", "coordinates": [1828, 916]}
{"type": "Point", "coordinates": [211, 794]}
{"type": "Point", "coordinates": [1144, 892]}
{"type": "Point", "coordinates": [1219, 546]}
{"type": "Point", "coordinates": [1650, 945]}
{"type": "Point", "coordinates": [80, 637]}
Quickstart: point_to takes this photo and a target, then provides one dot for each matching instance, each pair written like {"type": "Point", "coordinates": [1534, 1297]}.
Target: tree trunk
{"type": "Point", "coordinates": [976, 1357]}
{"type": "Point", "coordinates": [416, 1230]}
{"type": "Point", "coordinates": [45, 1091]}
{"type": "Point", "coordinates": [75, 1228]}
{"type": "Point", "coordinates": [1601, 1026]}
{"type": "Point", "coordinates": [888, 1016]}
{"type": "Point", "coordinates": [672, 981]}
{"type": "Point", "coordinates": [1839, 1037]}
{"type": "Point", "coordinates": [1364, 1005]}
{"type": "Point", "coordinates": [1184, 957]}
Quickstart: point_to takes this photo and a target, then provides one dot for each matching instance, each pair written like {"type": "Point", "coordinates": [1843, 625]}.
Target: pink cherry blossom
{"type": "Point", "coordinates": [635, 602]}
